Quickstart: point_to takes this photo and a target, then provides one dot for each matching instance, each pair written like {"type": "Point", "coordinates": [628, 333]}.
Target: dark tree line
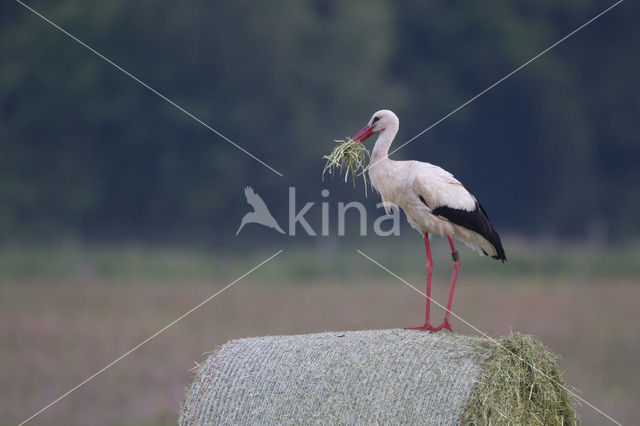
{"type": "Point", "coordinates": [88, 152]}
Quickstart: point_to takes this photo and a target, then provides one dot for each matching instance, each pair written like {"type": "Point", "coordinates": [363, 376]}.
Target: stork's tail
{"type": "Point", "coordinates": [494, 239]}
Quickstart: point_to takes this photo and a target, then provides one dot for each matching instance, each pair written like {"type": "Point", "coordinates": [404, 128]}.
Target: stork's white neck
{"type": "Point", "coordinates": [381, 148]}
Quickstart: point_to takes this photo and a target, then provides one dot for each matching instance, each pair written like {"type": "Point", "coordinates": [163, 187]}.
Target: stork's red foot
{"type": "Point", "coordinates": [445, 324]}
{"type": "Point", "coordinates": [425, 327]}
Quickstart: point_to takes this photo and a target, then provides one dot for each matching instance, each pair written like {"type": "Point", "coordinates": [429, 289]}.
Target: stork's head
{"type": "Point", "coordinates": [381, 120]}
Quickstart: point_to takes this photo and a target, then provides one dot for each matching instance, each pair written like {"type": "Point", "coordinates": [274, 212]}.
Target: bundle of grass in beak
{"type": "Point", "coordinates": [349, 155]}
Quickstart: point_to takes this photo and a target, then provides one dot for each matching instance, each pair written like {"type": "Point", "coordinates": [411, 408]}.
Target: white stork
{"type": "Point", "coordinates": [433, 200]}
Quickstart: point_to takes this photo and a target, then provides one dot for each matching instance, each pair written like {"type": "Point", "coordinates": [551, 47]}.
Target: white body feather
{"type": "Point", "coordinates": [401, 183]}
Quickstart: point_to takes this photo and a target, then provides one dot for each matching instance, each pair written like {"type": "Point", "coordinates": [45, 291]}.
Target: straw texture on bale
{"type": "Point", "coordinates": [375, 376]}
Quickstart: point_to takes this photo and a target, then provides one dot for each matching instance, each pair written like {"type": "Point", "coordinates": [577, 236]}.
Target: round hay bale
{"type": "Point", "coordinates": [378, 376]}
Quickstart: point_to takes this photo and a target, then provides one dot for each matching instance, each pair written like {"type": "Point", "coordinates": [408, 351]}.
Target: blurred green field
{"type": "Point", "coordinates": [306, 263]}
{"type": "Point", "coordinates": [68, 311]}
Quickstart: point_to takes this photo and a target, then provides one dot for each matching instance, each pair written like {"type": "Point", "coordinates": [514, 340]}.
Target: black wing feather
{"type": "Point", "coordinates": [475, 220]}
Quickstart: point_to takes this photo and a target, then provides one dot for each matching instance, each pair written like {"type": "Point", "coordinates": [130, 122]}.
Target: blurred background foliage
{"type": "Point", "coordinates": [89, 154]}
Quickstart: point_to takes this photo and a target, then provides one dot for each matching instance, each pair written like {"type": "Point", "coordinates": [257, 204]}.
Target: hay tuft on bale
{"type": "Point", "coordinates": [520, 384]}
{"type": "Point", "coordinates": [377, 376]}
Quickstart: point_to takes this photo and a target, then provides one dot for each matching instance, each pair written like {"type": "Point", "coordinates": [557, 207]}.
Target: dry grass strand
{"type": "Point", "coordinates": [349, 156]}
{"type": "Point", "coordinates": [520, 384]}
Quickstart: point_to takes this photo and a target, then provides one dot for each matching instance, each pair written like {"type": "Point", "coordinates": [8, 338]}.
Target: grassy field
{"type": "Point", "coordinates": [66, 313]}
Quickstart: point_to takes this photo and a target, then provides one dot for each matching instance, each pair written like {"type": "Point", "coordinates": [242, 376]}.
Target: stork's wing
{"type": "Point", "coordinates": [476, 221]}
{"type": "Point", "coordinates": [254, 200]}
{"type": "Point", "coordinates": [439, 188]}
{"type": "Point", "coordinates": [447, 198]}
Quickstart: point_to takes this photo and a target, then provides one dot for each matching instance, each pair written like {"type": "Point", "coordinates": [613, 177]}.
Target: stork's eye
{"type": "Point", "coordinates": [376, 119]}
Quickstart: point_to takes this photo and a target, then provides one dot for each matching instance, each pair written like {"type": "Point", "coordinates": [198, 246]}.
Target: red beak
{"type": "Point", "coordinates": [363, 134]}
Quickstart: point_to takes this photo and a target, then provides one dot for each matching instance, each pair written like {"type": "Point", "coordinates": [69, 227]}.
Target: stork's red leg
{"type": "Point", "coordinates": [429, 267]}
{"type": "Point", "coordinates": [456, 265]}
